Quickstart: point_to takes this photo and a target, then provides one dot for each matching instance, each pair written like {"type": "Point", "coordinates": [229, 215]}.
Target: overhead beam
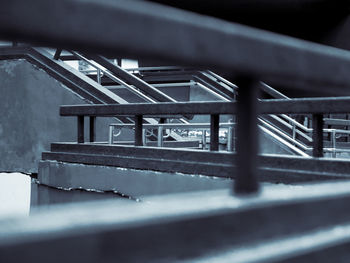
{"type": "Point", "coordinates": [174, 35]}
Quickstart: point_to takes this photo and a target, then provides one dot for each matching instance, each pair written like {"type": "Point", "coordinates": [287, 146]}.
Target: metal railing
{"type": "Point", "coordinates": [203, 127]}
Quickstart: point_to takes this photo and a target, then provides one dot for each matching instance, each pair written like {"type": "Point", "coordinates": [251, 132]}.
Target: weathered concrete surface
{"type": "Point", "coordinates": [130, 182]}
{"type": "Point", "coordinates": [29, 119]}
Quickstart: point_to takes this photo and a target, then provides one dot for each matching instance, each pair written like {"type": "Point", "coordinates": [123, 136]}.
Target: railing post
{"type": "Point", "coordinates": [230, 137]}
{"type": "Point", "coordinates": [110, 134]}
{"type": "Point", "coordinates": [204, 138]}
{"type": "Point", "coordinates": [247, 137]}
{"type": "Point", "coordinates": [214, 132]}
{"type": "Point", "coordinates": [138, 130]}
{"type": "Point", "coordinates": [160, 136]}
{"type": "Point", "coordinates": [80, 129]}
{"type": "Point", "coordinates": [334, 141]}
{"type": "Point", "coordinates": [317, 135]}
{"type": "Point", "coordinates": [92, 130]}
{"type": "Point", "coordinates": [144, 137]}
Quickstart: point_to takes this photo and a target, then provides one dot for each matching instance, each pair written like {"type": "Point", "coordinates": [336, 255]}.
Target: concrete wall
{"type": "Point", "coordinates": [131, 182]}
{"type": "Point", "coordinates": [29, 119]}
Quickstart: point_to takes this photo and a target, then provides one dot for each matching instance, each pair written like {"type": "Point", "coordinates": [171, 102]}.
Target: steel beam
{"type": "Point", "coordinates": [291, 106]}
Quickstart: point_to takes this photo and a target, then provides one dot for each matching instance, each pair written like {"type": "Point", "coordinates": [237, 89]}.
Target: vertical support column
{"type": "Point", "coordinates": [80, 129]}
{"type": "Point", "coordinates": [214, 132]}
{"type": "Point", "coordinates": [204, 138]}
{"type": "Point", "coordinates": [230, 137]}
{"type": "Point", "coordinates": [92, 129]}
{"type": "Point", "coordinates": [144, 137]}
{"type": "Point", "coordinates": [317, 135]}
{"type": "Point", "coordinates": [247, 137]}
{"type": "Point", "coordinates": [110, 134]}
{"type": "Point", "coordinates": [161, 132]}
{"type": "Point", "coordinates": [138, 130]}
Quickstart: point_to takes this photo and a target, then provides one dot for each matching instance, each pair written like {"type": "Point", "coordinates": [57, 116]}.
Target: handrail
{"type": "Point", "coordinates": [228, 83]}
{"type": "Point", "coordinates": [161, 68]}
{"type": "Point", "coordinates": [114, 78]}
{"type": "Point", "coordinates": [175, 125]}
{"type": "Point", "coordinates": [305, 148]}
{"type": "Point", "coordinates": [148, 89]}
{"type": "Point", "coordinates": [283, 142]}
{"type": "Point", "coordinates": [272, 92]}
{"type": "Point", "coordinates": [292, 127]}
{"type": "Point", "coordinates": [212, 92]}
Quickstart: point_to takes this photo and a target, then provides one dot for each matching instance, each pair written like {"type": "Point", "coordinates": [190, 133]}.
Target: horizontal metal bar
{"type": "Point", "coordinates": [150, 109]}
{"type": "Point", "coordinates": [296, 106]}
{"type": "Point", "coordinates": [162, 68]}
{"type": "Point", "coordinates": [167, 29]}
{"type": "Point", "coordinates": [162, 85]}
{"type": "Point", "coordinates": [175, 125]}
{"type": "Point", "coordinates": [340, 122]}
